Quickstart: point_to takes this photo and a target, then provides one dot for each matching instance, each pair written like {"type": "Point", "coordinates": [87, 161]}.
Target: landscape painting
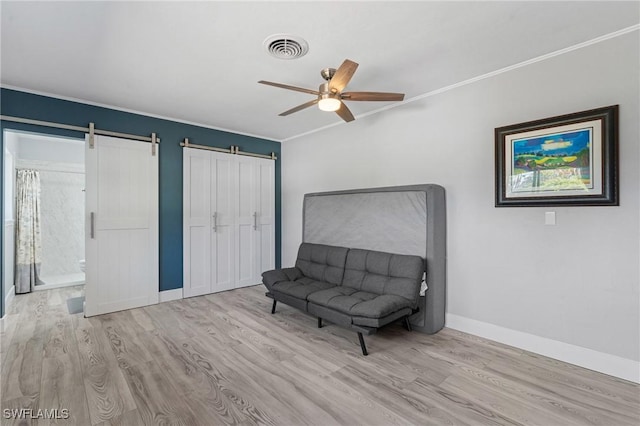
{"type": "Point", "coordinates": [566, 160]}
{"type": "Point", "coordinates": [552, 162]}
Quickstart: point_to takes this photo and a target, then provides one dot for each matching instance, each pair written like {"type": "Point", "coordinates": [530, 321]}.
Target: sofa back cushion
{"type": "Point", "coordinates": [321, 262]}
{"type": "Point", "coordinates": [384, 273]}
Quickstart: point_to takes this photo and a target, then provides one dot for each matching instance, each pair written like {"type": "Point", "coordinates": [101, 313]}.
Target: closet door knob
{"type": "Point", "coordinates": [92, 215]}
{"type": "Point", "coordinates": [255, 221]}
{"type": "Point", "coordinates": [215, 222]}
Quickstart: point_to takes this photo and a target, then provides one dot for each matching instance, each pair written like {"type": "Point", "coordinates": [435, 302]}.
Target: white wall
{"type": "Point", "coordinates": [50, 148]}
{"type": "Point", "coordinates": [62, 204]}
{"type": "Point", "coordinates": [10, 155]}
{"type": "Point", "coordinates": [576, 282]}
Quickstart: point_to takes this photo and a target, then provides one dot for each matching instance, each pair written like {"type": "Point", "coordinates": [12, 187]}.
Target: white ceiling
{"type": "Point", "coordinates": [200, 61]}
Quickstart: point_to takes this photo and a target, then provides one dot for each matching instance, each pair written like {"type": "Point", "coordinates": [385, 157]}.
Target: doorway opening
{"type": "Point", "coordinates": [49, 173]}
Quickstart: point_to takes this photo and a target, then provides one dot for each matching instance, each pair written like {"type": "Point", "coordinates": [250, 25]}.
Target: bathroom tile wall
{"type": "Point", "coordinates": [62, 201]}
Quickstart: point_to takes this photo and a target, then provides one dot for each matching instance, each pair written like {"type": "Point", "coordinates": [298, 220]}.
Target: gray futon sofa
{"type": "Point", "coordinates": [358, 289]}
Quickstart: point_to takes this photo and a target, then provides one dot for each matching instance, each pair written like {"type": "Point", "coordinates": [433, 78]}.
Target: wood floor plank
{"type": "Point", "coordinates": [164, 318]}
{"type": "Point", "coordinates": [555, 386]}
{"type": "Point", "coordinates": [346, 403]}
{"type": "Point", "coordinates": [588, 381]}
{"type": "Point", "coordinates": [156, 399]}
{"type": "Point", "coordinates": [225, 359]}
{"type": "Point", "coordinates": [59, 337]}
{"type": "Point", "coordinates": [390, 393]}
{"type": "Point", "coordinates": [22, 368]}
{"type": "Point", "coordinates": [293, 403]}
{"type": "Point", "coordinates": [107, 392]}
{"type": "Point", "coordinates": [459, 410]}
{"type": "Point", "coordinates": [212, 324]}
{"type": "Point", "coordinates": [142, 319]}
{"type": "Point", "coordinates": [130, 418]}
{"type": "Point", "coordinates": [125, 346]}
{"type": "Point", "coordinates": [16, 414]}
{"type": "Point", "coordinates": [492, 396]}
{"type": "Point", "coordinates": [63, 389]}
{"type": "Point", "coordinates": [192, 374]}
{"type": "Point", "coordinates": [226, 379]}
{"type": "Point", "coordinates": [8, 326]}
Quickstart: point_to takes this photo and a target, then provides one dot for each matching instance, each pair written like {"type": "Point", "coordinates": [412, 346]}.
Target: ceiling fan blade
{"type": "Point", "coordinates": [342, 76]}
{"type": "Point", "coordinates": [372, 96]}
{"type": "Point", "coordinates": [345, 113]}
{"type": "Point", "coordinates": [286, 86]}
{"type": "Point", "coordinates": [299, 107]}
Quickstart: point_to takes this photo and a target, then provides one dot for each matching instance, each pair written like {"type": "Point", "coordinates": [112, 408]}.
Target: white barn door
{"type": "Point", "coordinates": [121, 225]}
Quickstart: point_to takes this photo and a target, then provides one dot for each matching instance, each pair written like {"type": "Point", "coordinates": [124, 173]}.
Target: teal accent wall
{"type": "Point", "coordinates": [16, 103]}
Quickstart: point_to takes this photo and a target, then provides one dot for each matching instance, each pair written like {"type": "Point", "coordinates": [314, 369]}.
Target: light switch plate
{"type": "Point", "coordinates": [549, 218]}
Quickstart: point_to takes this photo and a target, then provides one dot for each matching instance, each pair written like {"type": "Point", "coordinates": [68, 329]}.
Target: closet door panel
{"type": "Point", "coordinates": [197, 222]}
{"type": "Point", "coordinates": [197, 264]}
{"type": "Point", "coordinates": [246, 219]}
{"type": "Point", "coordinates": [265, 199]}
{"type": "Point", "coordinates": [224, 232]}
{"type": "Point", "coordinates": [229, 215]}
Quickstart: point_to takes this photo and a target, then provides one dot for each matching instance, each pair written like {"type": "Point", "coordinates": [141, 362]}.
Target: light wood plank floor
{"type": "Point", "coordinates": [224, 359]}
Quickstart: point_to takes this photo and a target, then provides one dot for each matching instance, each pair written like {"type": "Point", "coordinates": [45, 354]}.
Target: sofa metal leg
{"type": "Point", "coordinates": [273, 308]}
{"type": "Point", "coordinates": [319, 322]}
{"type": "Point", "coordinates": [407, 323]}
{"type": "Point", "coordinates": [362, 345]}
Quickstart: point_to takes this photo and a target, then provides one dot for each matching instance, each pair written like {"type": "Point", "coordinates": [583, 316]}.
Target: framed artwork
{"type": "Point", "coordinates": [569, 160]}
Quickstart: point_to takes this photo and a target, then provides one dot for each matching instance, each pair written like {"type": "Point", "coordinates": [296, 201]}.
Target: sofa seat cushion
{"type": "Point", "coordinates": [384, 273]}
{"type": "Point", "coordinates": [301, 288]}
{"type": "Point", "coordinates": [359, 303]}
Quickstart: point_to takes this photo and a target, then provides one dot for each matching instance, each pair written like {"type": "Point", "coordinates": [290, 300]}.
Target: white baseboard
{"type": "Point", "coordinates": [169, 295]}
{"type": "Point", "coordinates": [612, 365]}
{"type": "Point", "coordinates": [44, 287]}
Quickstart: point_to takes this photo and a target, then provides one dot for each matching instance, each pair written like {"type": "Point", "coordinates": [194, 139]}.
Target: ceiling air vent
{"type": "Point", "coordinates": [286, 46]}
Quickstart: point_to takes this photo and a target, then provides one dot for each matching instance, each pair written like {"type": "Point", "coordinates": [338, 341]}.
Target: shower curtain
{"type": "Point", "coordinates": [28, 240]}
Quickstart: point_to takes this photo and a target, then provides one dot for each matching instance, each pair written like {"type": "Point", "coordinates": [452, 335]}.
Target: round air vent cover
{"type": "Point", "coordinates": [286, 46]}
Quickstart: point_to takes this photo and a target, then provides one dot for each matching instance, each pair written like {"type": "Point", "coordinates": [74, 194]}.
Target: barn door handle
{"type": "Point", "coordinates": [215, 222]}
{"type": "Point", "coordinates": [255, 221]}
{"type": "Point", "coordinates": [92, 216]}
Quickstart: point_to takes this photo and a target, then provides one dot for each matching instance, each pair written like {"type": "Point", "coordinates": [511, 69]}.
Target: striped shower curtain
{"type": "Point", "coordinates": [28, 239]}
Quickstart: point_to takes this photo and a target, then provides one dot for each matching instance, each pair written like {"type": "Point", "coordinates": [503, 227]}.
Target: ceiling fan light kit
{"type": "Point", "coordinates": [329, 103]}
{"type": "Point", "coordinates": [329, 95]}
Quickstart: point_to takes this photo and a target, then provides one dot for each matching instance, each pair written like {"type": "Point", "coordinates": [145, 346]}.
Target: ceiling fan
{"type": "Point", "coordinates": [330, 95]}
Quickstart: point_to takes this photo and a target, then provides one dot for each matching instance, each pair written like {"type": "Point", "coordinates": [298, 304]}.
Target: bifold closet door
{"type": "Point", "coordinates": [198, 222]}
{"type": "Point", "coordinates": [265, 242]}
{"type": "Point", "coordinates": [229, 217]}
{"type": "Point", "coordinates": [209, 232]}
{"type": "Point", "coordinates": [256, 211]}
{"type": "Point", "coordinates": [246, 263]}
{"type": "Point", "coordinates": [223, 237]}
{"type": "Point", "coordinates": [121, 225]}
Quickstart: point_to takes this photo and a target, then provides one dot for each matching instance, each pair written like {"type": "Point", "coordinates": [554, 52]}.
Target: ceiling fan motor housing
{"type": "Point", "coordinates": [324, 89]}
